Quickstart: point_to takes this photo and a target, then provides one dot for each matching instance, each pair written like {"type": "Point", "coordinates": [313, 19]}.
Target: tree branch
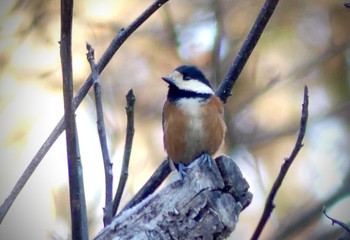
{"type": "Point", "coordinates": [306, 216]}
{"type": "Point", "coordinates": [226, 86]}
{"type": "Point", "coordinates": [204, 205]}
{"type": "Point", "coordinates": [75, 171]}
{"type": "Point", "coordinates": [107, 213]}
{"type": "Point", "coordinates": [130, 130]}
{"type": "Point", "coordinates": [335, 221]}
{"type": "Point", "coordinates": [116, 43]}
{"type": "Point", "coordinates": [269, 206]}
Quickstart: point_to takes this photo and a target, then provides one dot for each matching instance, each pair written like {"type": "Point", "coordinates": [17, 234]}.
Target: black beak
{"type": "Point", "coordinates": [167, 79]}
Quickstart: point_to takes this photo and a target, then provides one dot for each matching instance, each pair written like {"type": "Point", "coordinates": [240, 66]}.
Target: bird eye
{"type": "Point", "coordinates": [186, 78]}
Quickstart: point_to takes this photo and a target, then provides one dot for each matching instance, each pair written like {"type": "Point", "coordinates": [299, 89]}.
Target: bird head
{"type": "Point", "coordinates": [188, 81]}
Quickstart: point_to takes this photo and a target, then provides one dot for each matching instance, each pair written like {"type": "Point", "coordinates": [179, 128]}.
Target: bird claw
{"type": "Point", "coordinates": [182, 171]}
{"type": "Point", "coordinates": [206, 159]}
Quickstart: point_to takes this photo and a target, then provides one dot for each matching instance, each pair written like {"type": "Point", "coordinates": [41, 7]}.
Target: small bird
{"type": "Point", "coordinates": [192, 120]}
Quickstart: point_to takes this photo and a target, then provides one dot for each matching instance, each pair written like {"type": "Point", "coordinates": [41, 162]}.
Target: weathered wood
{"type": "Point", "coordinates": [205, 204]}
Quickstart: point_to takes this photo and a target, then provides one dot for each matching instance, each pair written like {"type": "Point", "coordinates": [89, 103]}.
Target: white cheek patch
{"type": "Point", "coordinates": [194, 86]}
{"type": "Point", "coordinates": [190, 85]}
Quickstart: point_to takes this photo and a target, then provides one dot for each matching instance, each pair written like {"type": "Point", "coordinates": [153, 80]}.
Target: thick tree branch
{"type": "Point", "coordinates": [107, 214]}
{"type": "Point", "coordinates": [75, 171]}
{"type": "Point", "coordinates": [226, 86]}
{"type": "Point", "coordinates": [203, 205]}
{"type": "Point", "coordinates": [130, 130]}
{"type": "Point", "coordinates": [269, 206]}
{"type": "Point", "coordinates": [116, 43]}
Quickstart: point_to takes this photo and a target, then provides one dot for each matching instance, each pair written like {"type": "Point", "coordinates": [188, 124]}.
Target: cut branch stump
{"type": "Point", "coordinates": [204, 204]}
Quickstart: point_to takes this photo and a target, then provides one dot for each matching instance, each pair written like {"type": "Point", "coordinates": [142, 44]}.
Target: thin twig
{"type": "Point", "coordinates": [107, 213]}
{"type": "Point", "coordinates": [130, 130]}
{"type": "Point", "coordinates": [335, 221]}
{"type": "Point", "coordinates": [116, 43]}
{"type": "Point", "coordinates": [306, 216]}
{"type": "Point", "coordinates": [241, 59]}
{"type": "Point", "coordinates": [75, 171]}
{"type": "Point", "coordinates": [151, 185]}
{"type": "Point", "coordinates": [269, 206]}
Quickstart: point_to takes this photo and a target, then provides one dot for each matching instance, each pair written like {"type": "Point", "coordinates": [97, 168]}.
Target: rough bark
{"type": "Point", "coordinates": [204, 204]}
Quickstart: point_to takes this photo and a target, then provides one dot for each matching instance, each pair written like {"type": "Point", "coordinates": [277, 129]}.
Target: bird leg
{"type": "Point", "coordinates": [182, 170]}
{"type": "Point", "coordinates": [205, 158]}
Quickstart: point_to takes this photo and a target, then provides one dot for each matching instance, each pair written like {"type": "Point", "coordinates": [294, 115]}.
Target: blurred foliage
{"type": "Point", "coordinates": [305, 43]}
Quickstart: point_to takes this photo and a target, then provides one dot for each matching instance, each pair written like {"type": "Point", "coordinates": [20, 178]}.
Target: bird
{"type": "Point", "coordinates": [192, 117]}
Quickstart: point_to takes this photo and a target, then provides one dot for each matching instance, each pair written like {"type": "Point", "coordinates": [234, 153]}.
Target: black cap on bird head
{"type": "Point", "coordinates": [192, 72]}
{"type": "Point", "coordinates": [187, 72]}
{"type": "Point", "coordinates": [188, 82]}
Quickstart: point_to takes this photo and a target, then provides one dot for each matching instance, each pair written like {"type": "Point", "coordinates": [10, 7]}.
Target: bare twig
{"type": "Point", "coordinates": [107, 213]}
{"type": "Point", "coordinates": [266, 12]}
{"type": "Point", "coordinates": [151, 185]}
{"type": "Point", "coordinates": [335, 221]}
{"type": "Point", "coordinates": [116, 43]}
{"type": "Point", "coordinates": [75, 171]}
{"type": "Point", "coordinates": [269, 206]}
{"type": "Point", "coordinates": [130, 130]}
{"type": "Point", "coordinates": [307, 216]}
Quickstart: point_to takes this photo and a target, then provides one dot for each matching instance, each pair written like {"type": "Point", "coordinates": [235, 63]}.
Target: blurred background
{"type": "Point", "coordinates": [305, 43]}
